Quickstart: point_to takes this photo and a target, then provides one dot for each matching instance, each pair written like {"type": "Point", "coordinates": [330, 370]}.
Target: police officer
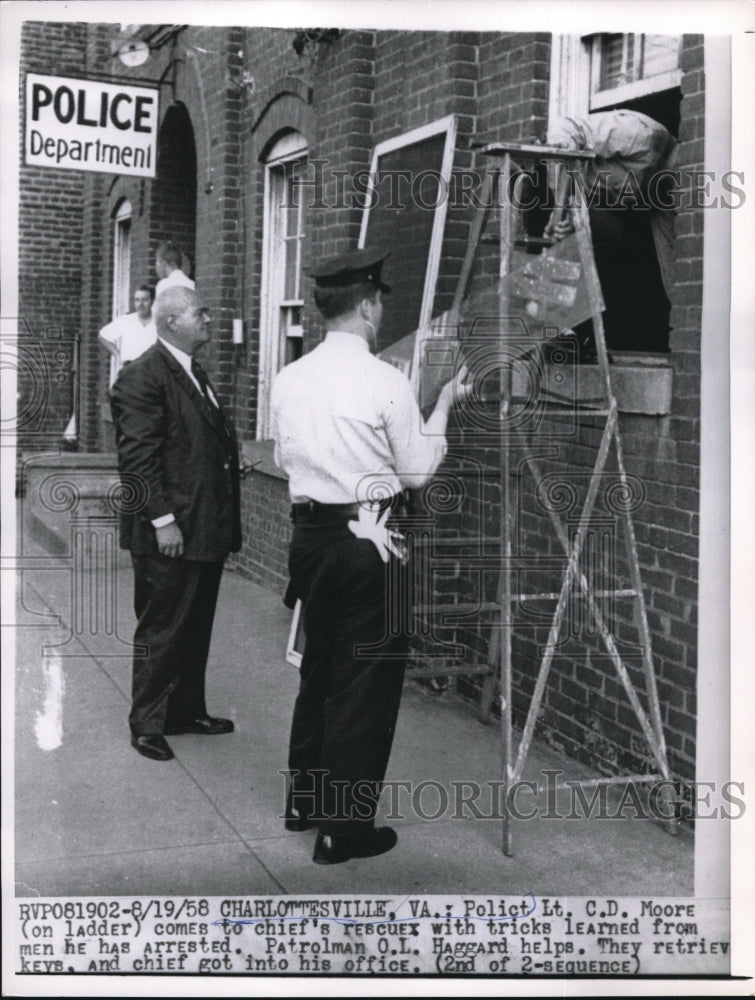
{"type": "Point", "coordinates": [348, 433]}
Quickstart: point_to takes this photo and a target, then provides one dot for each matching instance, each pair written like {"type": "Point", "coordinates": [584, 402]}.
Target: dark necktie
{"type": "Point", "coordinates": [201, 376]}
{"type": "Point", "coordinates": [218, 417]}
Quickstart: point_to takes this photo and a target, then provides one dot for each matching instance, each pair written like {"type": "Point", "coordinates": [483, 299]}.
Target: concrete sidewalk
{"type": "Point", "coordinates": [95, 818]}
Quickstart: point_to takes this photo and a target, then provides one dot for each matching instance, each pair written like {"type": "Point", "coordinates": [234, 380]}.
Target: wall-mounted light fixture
{"type": "Point", "coordinates": [133, 52]}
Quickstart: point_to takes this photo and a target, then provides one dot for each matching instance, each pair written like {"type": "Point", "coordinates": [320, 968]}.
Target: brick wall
{"type": "Point", "coordinates": [267, 531]}
{"type": "Point", "coordinates": [51, 207]}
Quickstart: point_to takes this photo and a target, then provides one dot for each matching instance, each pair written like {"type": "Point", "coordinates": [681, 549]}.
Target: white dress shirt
{"type": "Point", "coordinates": [175, 278]}
{"type": "Point", "coordinates": [347, 427]}
{"type": "Point", "coordinates": [130, 337]}
{"type": "Point", "coordinates": [184, 361]}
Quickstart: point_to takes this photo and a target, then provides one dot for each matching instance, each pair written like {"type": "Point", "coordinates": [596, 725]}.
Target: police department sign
{"type": "Point", "coordinates": [88, 125]}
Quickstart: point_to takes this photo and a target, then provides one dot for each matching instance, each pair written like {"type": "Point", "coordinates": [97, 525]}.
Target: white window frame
{"type": "Point", "coordinates": [445, 125]}
{"type": "Point", "coordinates": [122, 259]}
{"type": "Point", "coordinates": [626, 91]}
{"type": "Point", "coordinates": [574, 68]}
{"type": "Point", "coordinates": [121, 269]}
{"type": "Point", "coordinates": [278, 327]}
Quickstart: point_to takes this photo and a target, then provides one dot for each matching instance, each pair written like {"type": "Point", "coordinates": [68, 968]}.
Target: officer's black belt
{"type": "Point", "coordinates": [313, 510]}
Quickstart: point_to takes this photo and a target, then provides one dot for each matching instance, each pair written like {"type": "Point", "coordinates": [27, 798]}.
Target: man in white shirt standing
{"type": "Point", "coordinates": [169, 261]}
{"type": "Point", "coordinates": [348, 431]}
{"type": "Point", "coordinates": [130, 335]}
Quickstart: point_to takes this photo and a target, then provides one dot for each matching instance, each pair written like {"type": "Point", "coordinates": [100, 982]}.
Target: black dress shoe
{"type": "Point", "coordinates": [296, 821]}
{"type": "Point", "coordinates": [153, 747]}
{"type": "Point", "coordinates": [208, 725]}
{"type": "Point", "coordinates": [330, 850]}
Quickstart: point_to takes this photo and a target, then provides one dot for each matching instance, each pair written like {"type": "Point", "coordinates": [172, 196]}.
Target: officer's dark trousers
{"type": "Point", "coordinates": [351, 676]}
{"type": "Point", "coordinates": [174, 602]}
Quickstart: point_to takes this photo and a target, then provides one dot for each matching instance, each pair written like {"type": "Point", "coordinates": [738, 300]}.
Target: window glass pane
{"type": "Point", "coordinates": [616, 61]}
{"type": "Point", "coordinates": [290, 325]}
{"type": "Point", "coordinates": [291, 207]}
{"type": "Point", "coordinates": [290, 283]}
{"type": "Point", "coordinates": [121, 267]}
{"type": "Point", "coordinates": [295, 194]}
{"type": "Point", "coordinates": [625, 59]}
{"type": "Point", "coordinates": [294, 349]}
{"type": "Point", "coordinates": [660, 54]}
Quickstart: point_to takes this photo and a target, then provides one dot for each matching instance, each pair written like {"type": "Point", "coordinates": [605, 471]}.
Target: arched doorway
{"type": "Point", "coordinates": [174, 194]}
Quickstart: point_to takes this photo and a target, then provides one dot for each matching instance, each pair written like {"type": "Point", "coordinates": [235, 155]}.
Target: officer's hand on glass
{"type": "Point", "coordinates": [458, 389]}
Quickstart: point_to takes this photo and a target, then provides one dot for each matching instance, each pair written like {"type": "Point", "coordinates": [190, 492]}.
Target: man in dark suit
{"type": "Point", "coordinates": [178, 458]}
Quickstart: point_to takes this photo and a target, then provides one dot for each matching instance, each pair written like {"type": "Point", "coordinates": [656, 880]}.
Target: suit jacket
{"type": "Point", "coordinates": [177, 455]}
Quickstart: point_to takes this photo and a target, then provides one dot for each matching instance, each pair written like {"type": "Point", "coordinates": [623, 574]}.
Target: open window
{"type": "Point", "coordinates": [624, 68]}
{"type": "Point", "coordinates": [593, 76]}
{"type": "Point", "coordinates": [597, 72]}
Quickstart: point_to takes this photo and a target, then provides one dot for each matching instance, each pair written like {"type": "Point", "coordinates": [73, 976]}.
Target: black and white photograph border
{"type": "Point", "coordinates": [103, 850]}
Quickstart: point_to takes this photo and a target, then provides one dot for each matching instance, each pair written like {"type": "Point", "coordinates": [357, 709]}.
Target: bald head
{"type": "Point", "coordinates": [171, 302]}
{"type": "Point", "coordinates": [181, 319]}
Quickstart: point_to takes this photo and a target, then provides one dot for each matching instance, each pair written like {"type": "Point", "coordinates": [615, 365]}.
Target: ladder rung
{"type": "Point", "coordinates": [624, 779]}
{"type": "Point", "coordinates": [425, 540]}
{"type": "Point", "coordinates": [486, 606]}
{"type": "Point", "coordinates": [575, 592]}
{"type": "Point", "coordinates": [462, 606]}
{"type": "Point", "coordinates": [533, 150]}
{"type": "Point", "coordinates": [552, 406]}
{"type": "Point", "coordinates": [556, 409]}
{"type": "Point", "coordinates": [456, 670]}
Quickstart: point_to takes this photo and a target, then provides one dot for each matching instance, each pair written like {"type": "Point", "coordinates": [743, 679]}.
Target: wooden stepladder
{"type": "Point", "coordinates": [576, 582]}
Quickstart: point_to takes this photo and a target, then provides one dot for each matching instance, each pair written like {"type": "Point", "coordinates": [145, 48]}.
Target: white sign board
{"type": "Point", "coordinates": [88, 125]}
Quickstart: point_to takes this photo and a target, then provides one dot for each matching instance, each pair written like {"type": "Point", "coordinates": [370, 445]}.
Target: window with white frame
{"type": "Point", "coordinates": [121, 258]}
{"type": "Point", "coordinates": [121, 268]}
{"type": "Point", "coordinates": [283, 237]}
{"type": "Point", "coordinates": [625, 67]}
{"type": "Point", "coordinates": [599, 71]}
{"type": "Point", "coordinates": [593, 76]}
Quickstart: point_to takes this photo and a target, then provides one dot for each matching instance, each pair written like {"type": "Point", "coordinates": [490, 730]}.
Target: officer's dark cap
{"type": "Point", "coordinates": [352, 268]}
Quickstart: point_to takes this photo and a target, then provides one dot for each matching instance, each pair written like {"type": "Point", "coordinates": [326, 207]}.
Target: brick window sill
{"type": "Point", "coordinates": [642, 383]}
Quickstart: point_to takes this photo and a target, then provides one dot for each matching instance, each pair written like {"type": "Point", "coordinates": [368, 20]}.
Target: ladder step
{"type": "Point", "coordinates": [468, 540]}
{"type": "Point", "coordinates": [451, 671]}
{"type": "Point", "coordinates": [485, 606]}
{"type": "Point", "coordinates": [576, 592]}
{"type": "Point", "coordinates": [531, 149]}
{"type": "Point", "coordinates": [554, 409]}
{"type": "Point", "coordinates": [462, 606]}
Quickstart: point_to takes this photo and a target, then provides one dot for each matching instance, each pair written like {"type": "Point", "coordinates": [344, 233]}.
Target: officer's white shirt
{"type": "Point", "coordinates": [131, 338]}
{"type": "Point", "coordinates": [347, 427]}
